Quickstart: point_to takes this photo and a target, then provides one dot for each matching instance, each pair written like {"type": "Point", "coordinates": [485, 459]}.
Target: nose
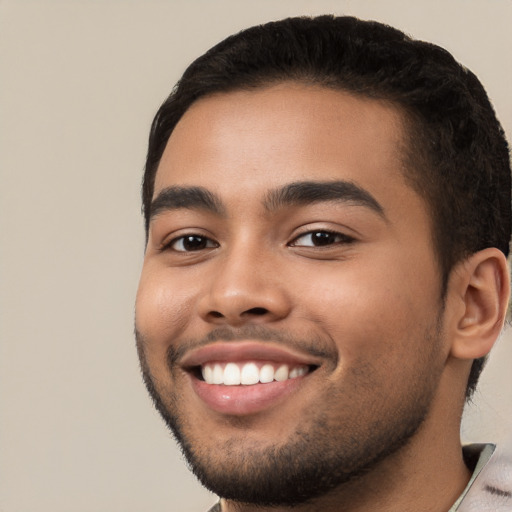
{"type": "Point", "coordinates": [244, 286]}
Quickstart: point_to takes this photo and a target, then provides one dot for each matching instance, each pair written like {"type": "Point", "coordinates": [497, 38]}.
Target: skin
{"type": "Point", "coordinates": [372, 305]}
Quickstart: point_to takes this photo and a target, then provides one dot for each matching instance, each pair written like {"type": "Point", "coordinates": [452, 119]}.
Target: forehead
{"type": "Point", "coordinates": [244, 143]}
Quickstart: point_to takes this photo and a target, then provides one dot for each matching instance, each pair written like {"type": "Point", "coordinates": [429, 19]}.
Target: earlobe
{"type": "Point", "coordinates": [481, 282]}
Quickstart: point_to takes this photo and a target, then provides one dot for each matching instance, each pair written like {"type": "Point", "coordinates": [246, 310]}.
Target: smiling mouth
{"type": "Point", "coordinates": [247, 377]}
{"type": "Point", "coordinates": [250, 373]}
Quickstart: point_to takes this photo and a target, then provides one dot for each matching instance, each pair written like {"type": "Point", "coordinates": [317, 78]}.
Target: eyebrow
{"type": "Point", "coordinates": [294, 194]}
{"type": "Point", "coordinates": [192, 198]}
{"type": "Point", "coordinates": [308, 192]}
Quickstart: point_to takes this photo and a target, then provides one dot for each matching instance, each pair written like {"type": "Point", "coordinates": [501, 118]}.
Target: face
{"type": "Point", "coordinates": [288, 313]}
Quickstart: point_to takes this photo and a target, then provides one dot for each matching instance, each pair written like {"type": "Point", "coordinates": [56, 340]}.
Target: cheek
{"type": "Point", "coordinates": [379, 310]}
{"type": "Point", "coordinates": [163, 308]}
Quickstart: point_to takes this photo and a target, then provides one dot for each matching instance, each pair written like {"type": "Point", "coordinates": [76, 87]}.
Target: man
{"type": "Point", "coordinates": [327, 206]}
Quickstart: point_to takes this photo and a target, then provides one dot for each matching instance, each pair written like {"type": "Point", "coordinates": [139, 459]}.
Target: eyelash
{"type": "Point", "coordinates": [208, 243]}
{"type": "Point", "coordinates": [182, 238]}
{"type": "Point", "coordinates": [343, 239]}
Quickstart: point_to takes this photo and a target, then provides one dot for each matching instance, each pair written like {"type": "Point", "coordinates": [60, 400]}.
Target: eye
{"type": "Point", "coordinates": [321, 238]}
{"type": "Point", "coordinates": [190, 243]}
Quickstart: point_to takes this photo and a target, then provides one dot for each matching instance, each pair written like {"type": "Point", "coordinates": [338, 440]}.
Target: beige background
{"type": "Point", "coordinates": [80, 81]}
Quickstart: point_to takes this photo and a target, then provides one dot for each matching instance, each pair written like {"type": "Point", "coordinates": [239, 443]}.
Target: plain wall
{"type": "Point", "coordinates": [79, 84]}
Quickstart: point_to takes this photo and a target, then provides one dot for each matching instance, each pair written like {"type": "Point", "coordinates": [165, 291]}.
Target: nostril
{"type": "Point", "coordinates": [216, 314]}
{"type": "Point", "coordinates": [257, 311]}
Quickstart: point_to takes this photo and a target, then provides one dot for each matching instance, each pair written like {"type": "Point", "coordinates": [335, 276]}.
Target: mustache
{"type": "Point", "coordinates": [312, 344]}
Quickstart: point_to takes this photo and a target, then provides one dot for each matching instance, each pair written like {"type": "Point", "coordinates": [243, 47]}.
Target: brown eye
{"type": "Point", "coordinates": [188, 243]}
{"type": "Point", "coordinates": [321, 239]}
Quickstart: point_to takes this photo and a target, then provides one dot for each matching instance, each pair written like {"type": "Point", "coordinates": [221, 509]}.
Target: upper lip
{"type": "Point", "coordinates": [232, 351]}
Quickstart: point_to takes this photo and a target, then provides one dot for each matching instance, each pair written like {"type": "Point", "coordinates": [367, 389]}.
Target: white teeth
{"type": "Point", "coordinates": [267, 374]}
{"type": "Point", "coordinates": [218, 375]}
{"type": "Point", "coordinates": [231, 375]}
{"type": "Point", "coordinates": [247, 374]}
{"type": "Point", "coordinates": [281, 373]}
{"type": "Point", "coordinates": [298, 371]}
{"type": "Point", "coordinates": [207, 372]}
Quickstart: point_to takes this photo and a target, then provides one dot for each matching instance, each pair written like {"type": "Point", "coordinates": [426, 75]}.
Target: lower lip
{"type": "Point", "coordinates": [243, 400]}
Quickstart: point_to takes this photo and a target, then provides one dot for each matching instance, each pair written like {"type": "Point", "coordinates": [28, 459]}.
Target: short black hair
{"type": "Point", "coordinates": [457, 155]}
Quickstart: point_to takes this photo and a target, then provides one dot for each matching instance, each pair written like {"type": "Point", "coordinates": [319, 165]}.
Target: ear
{"type": "Point", "coordinates": [480, 286]}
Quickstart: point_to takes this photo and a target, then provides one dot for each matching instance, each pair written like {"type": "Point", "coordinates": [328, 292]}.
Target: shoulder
{"type": "Point", "coordinates": [491, 490]}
